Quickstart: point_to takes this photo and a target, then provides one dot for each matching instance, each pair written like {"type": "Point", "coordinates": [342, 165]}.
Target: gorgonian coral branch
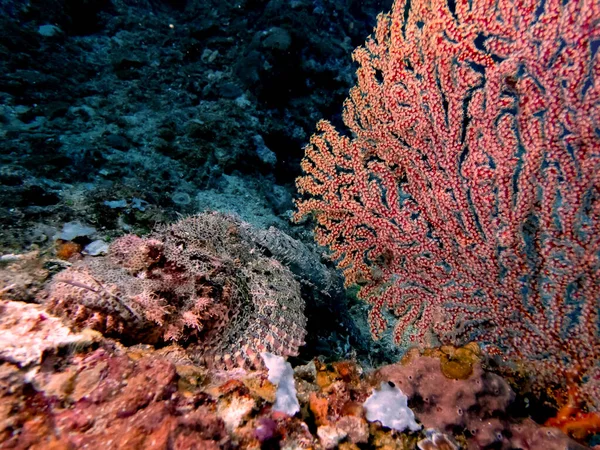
{"type": "Point", "coordinates": [467, 198]}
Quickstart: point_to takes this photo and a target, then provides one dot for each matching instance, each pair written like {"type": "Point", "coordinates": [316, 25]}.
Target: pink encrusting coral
{"type": "Point", "coordinates": [467, 199]}
{"type": "Point", "coordinates": [196, 282]}
{"type": "Point", "coordinates": [440, 403]}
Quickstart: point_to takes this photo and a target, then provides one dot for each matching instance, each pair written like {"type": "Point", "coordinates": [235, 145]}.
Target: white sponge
{"type": "Point", "coordinates": [281, 375]}
{"type": "Point", "coordinates": [389, 406]}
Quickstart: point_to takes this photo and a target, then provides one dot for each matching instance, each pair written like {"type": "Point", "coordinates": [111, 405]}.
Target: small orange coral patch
{"type": "Point", "coordinates": [232, 386]}
{"type": "Point", "coordinates": [571, 420]}
{"type": "Point", "coordinates": [347, 371]}
{"type": "Point", "coordinates": [66, 249]}
{"type": "Point", "coordinates": [325, 374]}
{"type": "Point", "coordinates": [319, 407]}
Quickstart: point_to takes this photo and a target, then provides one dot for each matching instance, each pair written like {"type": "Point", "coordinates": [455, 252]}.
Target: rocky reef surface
{"type": "Point", "coordinates": [66, 390]}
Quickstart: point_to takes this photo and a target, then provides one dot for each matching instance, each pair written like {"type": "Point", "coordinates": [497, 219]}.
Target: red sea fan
{"type": "Point", "coordinates": [467, 199]}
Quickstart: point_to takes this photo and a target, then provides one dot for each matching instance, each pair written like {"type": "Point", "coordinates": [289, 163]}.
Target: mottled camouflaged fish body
{"type": "Point", "coordinates": [197, 282]}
